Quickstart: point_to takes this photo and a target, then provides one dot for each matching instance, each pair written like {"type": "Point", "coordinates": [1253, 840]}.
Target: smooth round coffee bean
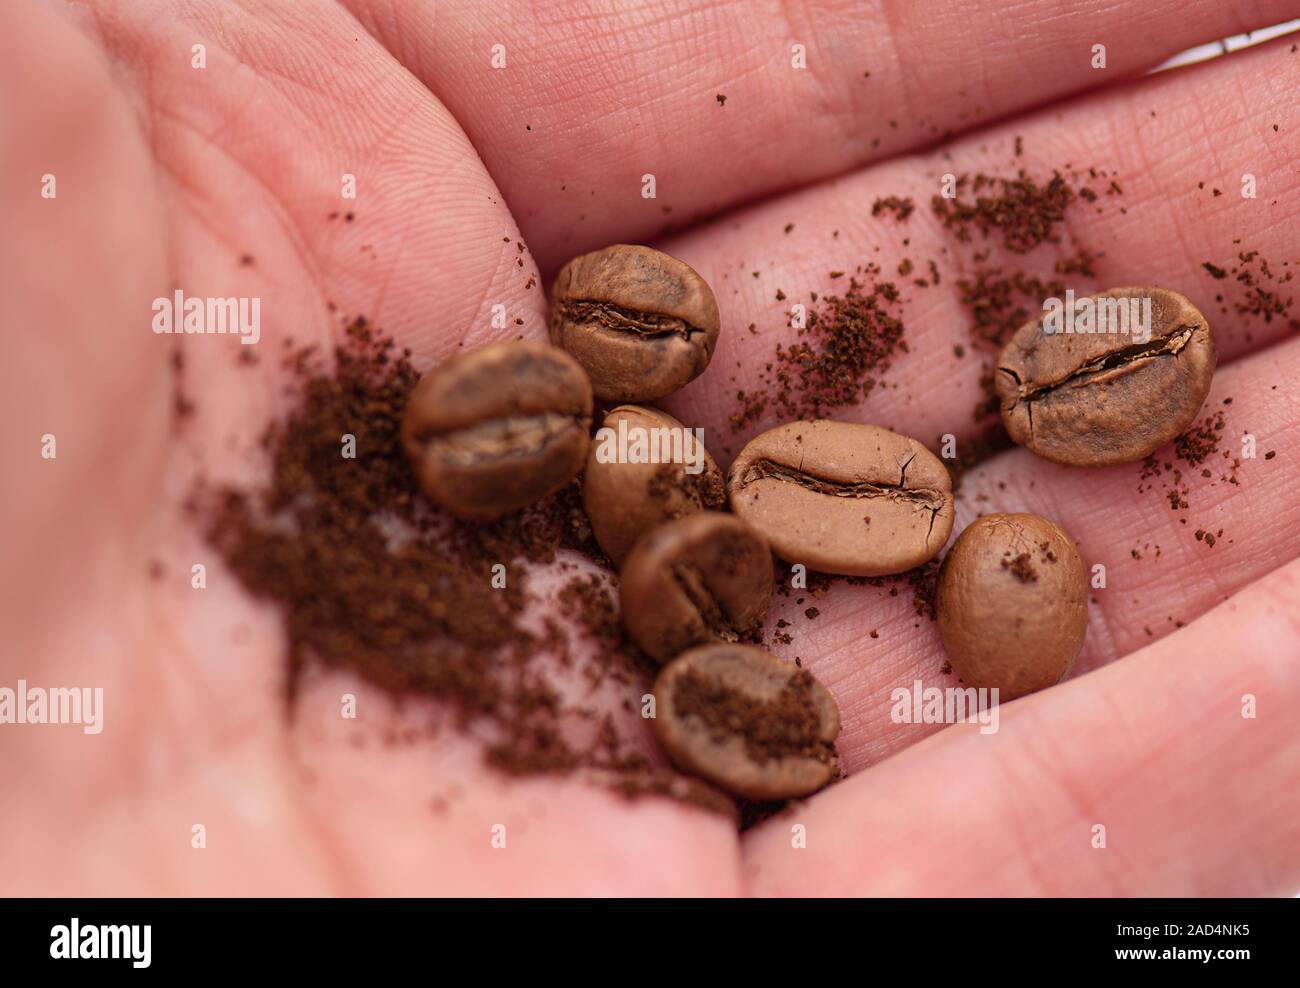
{"type": "Point", "coordinates": [642, 323]}
{"type": "Point", "coordinates": [856, 500]}
{"type": "Point", "coordinates": [1110, 381]}
{"type": "Point", "coordinates": [747, 722]}
{"type": "Point", "coordinates": [1012, 604]}
{"type": "Point", "coordinates": [703, 578]}
{"type": "Point", "coordinates": [491, 431]}
{"type": "Point", "coordinates": [645, 468]}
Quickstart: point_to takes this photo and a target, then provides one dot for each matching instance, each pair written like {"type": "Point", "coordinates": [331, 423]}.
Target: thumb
{"type": "Point", "coordinates": [83, 382]}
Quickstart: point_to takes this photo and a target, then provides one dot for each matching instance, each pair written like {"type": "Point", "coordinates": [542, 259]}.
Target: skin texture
{"type": "Point", "coordinates": [167, 179]}
{"type": "Point", "coordinates": [1099, 400]}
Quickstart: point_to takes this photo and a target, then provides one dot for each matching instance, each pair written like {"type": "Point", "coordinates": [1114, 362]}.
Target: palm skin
{"type": "Point", "coordinates": [222, 180]}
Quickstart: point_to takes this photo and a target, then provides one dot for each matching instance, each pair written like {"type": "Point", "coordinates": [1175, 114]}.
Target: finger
{"type": "Point", "coordinates": [1151, 566]}
{"type": "Point", "coordinates": [1169, 142]}
{"type": "Point", "coordinates": [278, 145]}
{"type": "Point", "coordinates": [591, 97]}
{"type": "Point", "coordinates": [1184, 755]}
{"type": "Point", "coordinates": [83, 388]}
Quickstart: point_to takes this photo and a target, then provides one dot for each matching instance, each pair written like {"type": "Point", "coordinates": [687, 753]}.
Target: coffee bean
{"type": "Point", "coordinates": [626, 496]}
{"type": "Point", "coordinates": [491, 431]}
{"type": "Point", "coordinates": [703, 578]}
{"type": "Point", "coordinates": [1100, 398]}
{"type": "Point", "coordinates": [1012, 604]}
{"type": "Point", "coordinates": [843, 498]}
{"type": "Point", "coordinates": [642, 323]}
{"type": "Point", "coordinates": [747, 722]}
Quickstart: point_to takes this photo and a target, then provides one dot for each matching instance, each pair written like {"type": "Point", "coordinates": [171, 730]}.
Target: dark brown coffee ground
{"type": "Point", "coordinates": [785, 726]}
{"type": "Point", "coordinates": [371, 580]}
{"type": "Point", "coordinates": [1192, 453]}
{"type": "Point", "coordinates": [1022, 211]}
{"type": "Point", "coordinates": [705, 490]}
{"type": "Point", "coordinates": [846, 344]}
{"type": "Point", "coordinates": [1256, 292]}
{"type": "Point", "coordinates": [900, 206]}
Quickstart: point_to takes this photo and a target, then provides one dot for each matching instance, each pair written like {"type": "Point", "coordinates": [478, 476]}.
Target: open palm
{"type": "Point", "coordinates": [225, 180]}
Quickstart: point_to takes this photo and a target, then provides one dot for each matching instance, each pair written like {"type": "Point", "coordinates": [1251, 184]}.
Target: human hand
{"type": "Point", "coordinates": [170, 176]}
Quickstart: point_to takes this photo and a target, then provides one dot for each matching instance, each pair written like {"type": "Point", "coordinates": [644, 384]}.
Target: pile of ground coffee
{"type": "Point", "coordinates": [370, 580]}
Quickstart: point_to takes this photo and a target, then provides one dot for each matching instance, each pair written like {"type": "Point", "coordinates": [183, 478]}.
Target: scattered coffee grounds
{"type": "Point", "coordinates": [923, 581]}
{"type": "Point", "coordinates": [371, 580]}
{"type": "Point", "coordinates": [1002, 302]}
{"type": "Point", "coordinates": [972, 452]}
{"type": "Point", "coordinates": [847, 343]}
{"type": "Point", "coordinates": [1193, 450]}
{"type": "Point", "coordinates": [900, 207]}
{"type": "Point", "coordinates": [1257, 294]}
{"type": "Point", "coordinates": [1022, 211]}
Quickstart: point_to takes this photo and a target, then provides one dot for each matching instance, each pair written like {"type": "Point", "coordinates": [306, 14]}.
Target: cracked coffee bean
{"type": "Point", "coordinates": [625, 499]}
{"type": "Point", "coordinates": [1100, 398]}
{"type": "Point", "coordinates": [494, 430]}
{"type": "Point", "coordinates": [643, 324]}
{"type": "Point", "coordinates": [747, 722]}
{"type": "Point", "coordinates": [1012, 604]}
{"type": "Point", "coordinates": [855, 500]}
{"type": "Point", "coordinates": [700, 579]}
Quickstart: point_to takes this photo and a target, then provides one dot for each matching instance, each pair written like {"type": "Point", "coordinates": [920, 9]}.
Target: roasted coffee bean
{"type": "Point", "coordinates": [642, 323]}
{"type": "Point", "coordinates": [491, 431]}
{"type": "Point", "coordinates": [747, 722]}
{"type": "Point", "coordinates": [1098, 395]}
{"type": "Point", "coordinates": [626, 494]}
{"type": "Point", "coordinates": [703, 578]}
{"type": "Point", "coordinates": [1012, 604]}
{"type": "Point", "coordinates": [856, 500]}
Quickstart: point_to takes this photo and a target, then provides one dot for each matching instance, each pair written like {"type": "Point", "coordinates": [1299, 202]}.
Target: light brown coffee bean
{"type": "Point", "coordinates": [1101, 397]}
{"type": "Point", "coordinates": [494, 430]}
{"type": "Point", "coordinates": [703, 578]}
{"type": "Point", "coordinates": [625, 499]}
{"type": "Point", "coordinates": [747, 722]}
{"type": "Point", "coordinates": [843, 498]}
{"type": "Point", "coordinates": [643, 324]}
{"type": "Point", "coordinates": [1012, 604]}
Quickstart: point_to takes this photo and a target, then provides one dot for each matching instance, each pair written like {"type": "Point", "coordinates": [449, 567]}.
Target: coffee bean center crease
{"type": "Point", "coordinates": [1096, 371]}
{"type": "Point", "coordinates": [499, 439]}
{"type": "Point", "coordinates": [620, 319]}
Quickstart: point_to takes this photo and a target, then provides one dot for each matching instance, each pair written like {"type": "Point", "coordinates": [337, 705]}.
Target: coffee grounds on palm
{"type": "Point", "coordinates": [1256, 293]}
{"type": "Point", "coordinates": [1193, 453]}
{"type": "Point", "coordinates": [369, 579]}
{"type": "Point", "coordinates": [900, 206]}
{"type": "Point", "coordinates": [846, 344]}
{"type": "Point", "coordinates": [1023, 212]}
